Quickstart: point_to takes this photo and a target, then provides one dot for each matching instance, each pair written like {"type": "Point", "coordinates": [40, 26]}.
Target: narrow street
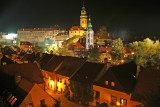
{"type": "Point", "coordinates": [63, 100]}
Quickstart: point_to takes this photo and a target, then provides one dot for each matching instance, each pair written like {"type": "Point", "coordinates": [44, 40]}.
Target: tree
{"type": "Point", "coordinates": [19, 41]}
{"type": "Point", "coordinates": [53, 49]}
{"type": "Point", "coordinates": [37, 48]}
{"type": "Point", "coordinates": [93, 54]}
{"type": "Point", "coordinates": [147, 52]}
{"type": "Point", "coordinates": [65, 52]}
{"type": "Point", "coordinates": [67, 93]}
{"type": "Point", "coordinates": [102, 30]}
{"type": "Point", "coordinates": [4, 43]}
{"type": "Point", "coordinates": [82, 92]}
{"type": "Point", "coordinates": [117, 50]}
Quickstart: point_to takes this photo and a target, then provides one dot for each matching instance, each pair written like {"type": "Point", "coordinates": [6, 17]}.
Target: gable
{"type": "Point", "coordinates": [35, 95]}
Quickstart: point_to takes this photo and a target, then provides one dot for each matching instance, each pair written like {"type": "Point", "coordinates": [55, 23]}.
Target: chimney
{"type": "Point", "coordinates": [41, 54]}
{"type": "Point", "coordinates": [4, 63]}
{"type": "Point", "coordinates": [17, 78]}
{"type": "Point", "coordinates": [138, 71]}
{"type": "Point", "coordinates": [108, 65]}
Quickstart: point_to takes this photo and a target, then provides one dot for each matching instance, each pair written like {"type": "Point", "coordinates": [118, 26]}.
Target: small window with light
{"type": "Point", "coordinates": [112, 84]}
{"type": "Point", "coordinates": [123, 102]}
{"type": "Point", "coordinates": [106, 82]}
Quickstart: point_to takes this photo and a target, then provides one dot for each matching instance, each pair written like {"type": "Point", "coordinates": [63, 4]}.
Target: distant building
{"type": "Point", "coordinates": [83, 18]}
{"type": "Point", "coordinates": [89, 36]}
{"type": "Point", "coordinates": [8, 38]}
{"type": "Point", "coordinates": [60, 37]}
{"type": "Point", "coordinates": [76, 31]}
{"type": "Point", "coordinates": [26, 46]}
{"type": "Point", "coordinates": [79, 50]}
{"type": "Point", "coordinates": [85, 34]}
{"type": "Point", "coordinates": [38, 34]}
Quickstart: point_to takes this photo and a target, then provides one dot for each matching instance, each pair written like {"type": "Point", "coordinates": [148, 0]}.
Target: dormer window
{"type": "Point", "coordinates": [106, 82]}
{"type": "Point", "coordinates": [112, 84]}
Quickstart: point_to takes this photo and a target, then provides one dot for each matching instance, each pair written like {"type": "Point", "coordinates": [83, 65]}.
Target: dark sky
{"type": "Point", "coordinates": [133, 16]}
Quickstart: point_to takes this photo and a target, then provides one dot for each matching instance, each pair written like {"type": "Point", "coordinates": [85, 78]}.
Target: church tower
{"type": "Point", "coordinates": [89, 35]}
{"type": "Point", "coordinates": [83, 18]}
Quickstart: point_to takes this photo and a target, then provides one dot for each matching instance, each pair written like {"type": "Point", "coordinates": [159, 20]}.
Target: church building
{"type": "Point", "coordinates": [84, 30]}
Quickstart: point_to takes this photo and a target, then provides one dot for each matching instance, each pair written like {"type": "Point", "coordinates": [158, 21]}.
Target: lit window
{"type": "Point", "coordinates": [123, 102]}
{"type": "Point", "coordinates": [113, 100]}
{"type": "Point", "coordinates": [14, 101]}
{"type": "Point", "coordinates": [30, 105]}
{"type": "Point", "coordinates": [60, 80]}
{"type": "Point", "coordinates": [106, 82]}
{"type": "Point", "coordinates": [112, 84]}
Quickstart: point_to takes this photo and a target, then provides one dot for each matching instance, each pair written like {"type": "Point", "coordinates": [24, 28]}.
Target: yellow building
{"type": "Point", "coordinates": [60, 38]}
{"type": "Point", "coordinates": [76, 31]}
{"type": "Point", "coordinates": [115, 87]}
{"type": "Point", "coordinates": [37, 97]}
{"type": "Point", "coordinates": [80, 30]}
{"type": "Point", "coordinates": [83, 18]}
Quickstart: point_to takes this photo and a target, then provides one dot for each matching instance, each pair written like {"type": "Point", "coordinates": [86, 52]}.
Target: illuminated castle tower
{"type": "Point", "coordinates": [89, 35]}
{"type": "Point", "coordinates": [83, 18]}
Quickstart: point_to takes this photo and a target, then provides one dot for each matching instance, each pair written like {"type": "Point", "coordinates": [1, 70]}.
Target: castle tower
{"type": "Point", "coordinates": [89, 35]}
{"type": "Point", "coordinates": [83, 18]}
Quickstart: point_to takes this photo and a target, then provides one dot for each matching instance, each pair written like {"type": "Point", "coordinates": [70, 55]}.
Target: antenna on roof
{"type": "Point", "coordinates": [83, 3]}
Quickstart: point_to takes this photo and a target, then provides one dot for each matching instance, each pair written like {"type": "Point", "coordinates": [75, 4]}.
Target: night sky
{"type": "Point", "coordinates": [118, 15]}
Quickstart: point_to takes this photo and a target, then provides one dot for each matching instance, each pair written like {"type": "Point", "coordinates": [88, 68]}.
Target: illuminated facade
{"type": "Point", "coordinates": [76, 31]}
{"type": "Point", "coordinates": [40, 34]}
{"type": "Point", "coordinates": [25, 45]}
{"type": "Point", "coordinates": [89, 36]}
{"type": "Point", "coordinates": [37, 34]}
{"type": "Point", "coordinates": [60, 38]}
{"type": "Point", "coordinates": [80, 30]}
{"type": "Point", "coordinates": [37, 97]}
{"type": "Point", "coordinates": [83, 18]}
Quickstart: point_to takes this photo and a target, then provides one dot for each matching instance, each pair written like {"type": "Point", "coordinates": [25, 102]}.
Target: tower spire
{"type": "Point", "coordinates": [83, 3]}
{"type": "Point", "coordinates": [83, 17]}
{"type": "Point", "coordinates": [89, 24]}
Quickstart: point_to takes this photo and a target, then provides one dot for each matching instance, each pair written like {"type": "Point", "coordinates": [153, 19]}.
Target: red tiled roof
{"type": "Point", "coordinates": [78, 46]}
{"type": "Point", "coordinates": [71, 47]}
{"type": "Point", "coordinates": [39, 29]}
{"type": "Point", "coordinates": [25, 43]}
{"type": "Point", "coordinates": [53, 63]}
{"type": "Point", "coordinates": [104, 36]}
{"type": "Point", "coordinates": [88, 73]}
{"type": "Point", "coordinates": [25, 85]}
{"type": "Point", "coordinates": [104, 49]}
{"type": "Point", "coordinates": [70, 65]}
{"type": "Point", "coordinates": [126, 50]}
{"type": "Point", "coordinates": [148, 80]}
{"type": "Point", "coordinates": [76, 28]}
{"type": "Point", "coordinates": [29, 71]}
{"type": "Point", "coordinates": [122, 75]}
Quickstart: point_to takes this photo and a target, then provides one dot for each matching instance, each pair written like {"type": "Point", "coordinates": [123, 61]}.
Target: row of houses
{"type": "Point", "coordinates": [122, 85]}
{"type": "Point", "coordinates": [22, 85]}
